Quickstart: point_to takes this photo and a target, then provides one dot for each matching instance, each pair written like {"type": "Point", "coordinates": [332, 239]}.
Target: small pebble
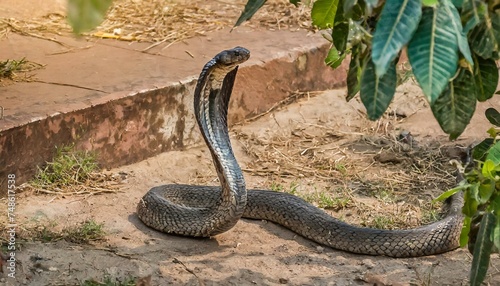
{"type": "Point", "coordinates": [368, 263]}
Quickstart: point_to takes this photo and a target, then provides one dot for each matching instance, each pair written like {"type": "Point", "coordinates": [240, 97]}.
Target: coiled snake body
{"type": "Point", "coordinates": [204, 211]}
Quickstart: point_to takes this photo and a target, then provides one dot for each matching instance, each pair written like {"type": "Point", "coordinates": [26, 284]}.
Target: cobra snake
{"type": "Point", "coordinates": [205, 211]}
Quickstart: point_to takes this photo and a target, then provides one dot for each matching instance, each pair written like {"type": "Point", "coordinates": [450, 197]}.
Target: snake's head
{"type": "Point", "coordinates": [224, 62]}
{"type": "Point", "coordinates": [233, 57]}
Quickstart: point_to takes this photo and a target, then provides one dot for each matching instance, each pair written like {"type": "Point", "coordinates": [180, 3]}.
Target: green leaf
{"type": "Point", "coordinates": [251, 8]}
{"type": "Point", "coordinates": [482, 250]}
{"type": "Point", "coordinates": [454, 16]}
{"type": "Point", "coordinates": [488, 169]}
{"type": "Point", "coordinates": [357, 13]}
{"type": "Point", "coordinates": [464, 235]}
{"type": "Point", "coordinates": [323, 13]}
{"type": "Point", "coordinates": [492, 132]}
{"type": "Point", "coordinates": [377, 93]}
{"type": "Point", "coordinates": [334, 58]}
{"type": "Point", "coordinates": [449, 193]}
{"type": "Point", "coordinates": [354, 73]}
{"type": "Point", "coordinates": [457, 3]}
{"type": "Point", "coordinates": [495, 237]}
{"type": "Point", "coordinates": [430, 3]}
{"type": "Point", "coordinates": [493, 116]}
{"type": "Point", "coordinates": [480, 150]}
{"type": "Point", "coordinates": [456, 105]}
{"type": "Point", "coordinates": [494, 153]}
{"type": "Point", "coordinates": [485, 192]}
{"type": "Point", "coordinates": [483, 38]}
{"type": "Point", "coordinates": [398, 22]}
{"type": "Point", "coordinates": [339, 35]}
{"type": "Point", "coordinates": [85, 15]}
{"type": "Point", "coordinates": [495, 22]}
{"type": "Point", "coordinates": [495, 207]}
{"type": "Point", "coordinates": [471, 200]}
{"type": "Point", "coordinates": [472, 13]}
{"type": "Point", "coordinates": [486, 76]}
{"type": "Point", "coordinates": [433, 52]}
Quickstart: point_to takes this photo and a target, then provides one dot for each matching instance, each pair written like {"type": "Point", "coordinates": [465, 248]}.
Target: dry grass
{"type": "Point", "coordinates": [346, 172]}
{"type": "Point", "coordinates": [160, 21]}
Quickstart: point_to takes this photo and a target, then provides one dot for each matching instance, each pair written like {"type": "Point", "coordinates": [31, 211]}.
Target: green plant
{"type": "Point", "coordinates": [83, 232]}
{"type": "Point", "coordinates": [383, 222]}
{"type": "Point", "coordinates": [451, 45]}
{"type": "Point", "coordinates": [386, 196]}
{"type": "Point", "coordinates": [481, 187]}
{"type": "Point", "coordinates": [87, 231]}
{"type": "Point", "coordinates": [277, 187]}
{"type": "Point", "coordinates": [326, 201]}
{"type": "Point", "coordinates": [8, 68]}
{"type": "Point", "coordinates": [430, 213]}
{"type": "Point", "coordinates": [68, 167]}
{"type": "Point", "coordinates": [84, 15]}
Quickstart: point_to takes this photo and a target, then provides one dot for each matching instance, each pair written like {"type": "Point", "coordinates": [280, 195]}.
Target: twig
{"type": "Point", "coordinates": [70, 85]}
{"type": "Point", "coordinates": [175, 260]}
{"type": "Point", "coordinates": [22, 32]}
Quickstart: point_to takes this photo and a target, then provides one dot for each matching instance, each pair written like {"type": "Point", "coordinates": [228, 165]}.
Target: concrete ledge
{"type": "Point", "coordinates": [130, 125]}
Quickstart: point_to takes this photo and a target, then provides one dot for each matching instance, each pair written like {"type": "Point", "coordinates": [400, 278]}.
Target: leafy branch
{"type": "Point", "coordinates": [452, 46]}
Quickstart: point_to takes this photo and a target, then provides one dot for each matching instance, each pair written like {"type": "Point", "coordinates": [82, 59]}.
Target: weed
{"type": "Point", "coordinates": [381, 222]}
{"type": "Point", "coordinates": [46, 233]}
{"type": "Point", "coordinates": [87, 231]}
{"type": "Point", "coordinates": [9, 67]}
{"type": "Point", "coordinates": [326, 201]}
{"type": "Point", "coordinates": [431, 212]}
{"type": "Point", "coordinates": [84, 232]}
{"type": "Point", "coordinates": [292, 189]}
{"type": "Point", "coordinates": [386, 196]}
{"type": "Point", "coordinates": [73, 172]}
{"type": "Point", "coordinates": [277, 187]}
{"type": "Point", "coordinates": [68, 167]}
{"type": "Point", "coordinates": [342, 168]}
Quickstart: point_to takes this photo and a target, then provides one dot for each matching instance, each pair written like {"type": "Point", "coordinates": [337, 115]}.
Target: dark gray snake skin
{"type": "Point", "coordinates": [204, 211]}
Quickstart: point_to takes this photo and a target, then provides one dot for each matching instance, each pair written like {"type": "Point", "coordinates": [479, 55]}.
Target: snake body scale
{"type": "Point", "coordinates": [205, 211]}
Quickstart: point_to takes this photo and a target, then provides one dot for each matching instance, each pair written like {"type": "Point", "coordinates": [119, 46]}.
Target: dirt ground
{"type": "Point", "coordinates": [317, 147]}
